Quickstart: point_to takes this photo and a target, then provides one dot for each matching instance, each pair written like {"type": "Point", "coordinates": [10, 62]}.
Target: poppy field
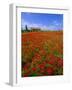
{"type": "Point", "coordinates": [42, 53]}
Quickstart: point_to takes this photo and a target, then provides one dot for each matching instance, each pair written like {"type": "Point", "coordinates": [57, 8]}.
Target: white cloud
{"type": "Point", "coordinates": [23, 23]}
{"type": "Point", "coordinates": [53, 26]}
{"type": "Point", "coordinates": [44, 27]}
{"type": "Point", "coordinates": [57, 23]}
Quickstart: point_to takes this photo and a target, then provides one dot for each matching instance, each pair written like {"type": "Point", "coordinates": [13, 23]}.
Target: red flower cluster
{"type": "Point", "coordinates": [50, 71]}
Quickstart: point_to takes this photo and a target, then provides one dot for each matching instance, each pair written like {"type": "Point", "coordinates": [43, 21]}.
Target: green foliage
{"type": "Point", "coordinates": [57, 54]}
{"type": "Point", "coordinates": [58, 71]}
{"type": "Point", "coordinates": [36, 49]}
{"type": "Point", "coordinates": [46, 47]}
{"type": "Point", "coordinates": [43, 57]}
{"type": "Point", "coordinates": [49, 65]}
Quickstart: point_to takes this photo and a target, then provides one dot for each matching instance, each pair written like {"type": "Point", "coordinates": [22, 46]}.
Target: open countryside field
{"type": "Point", "coordinates": [42, 53]}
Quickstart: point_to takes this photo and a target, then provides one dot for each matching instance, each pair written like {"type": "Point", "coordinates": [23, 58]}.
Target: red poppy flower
{"type": "Point", "coordinates": [50, 71]}
{"type": "Point", "coordinates": [60, 62]}
{"type": "Point", "coordinates": [41, 66]}
{"type": "Point", "coordinates": [34, 69]}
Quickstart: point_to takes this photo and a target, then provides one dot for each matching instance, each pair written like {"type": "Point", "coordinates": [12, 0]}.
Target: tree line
{"type": "Point", "coordinates": [30, 30]}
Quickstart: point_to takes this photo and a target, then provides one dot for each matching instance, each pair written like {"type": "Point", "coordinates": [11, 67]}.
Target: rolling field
{"type": "Point", "coordinates": [42, 53]}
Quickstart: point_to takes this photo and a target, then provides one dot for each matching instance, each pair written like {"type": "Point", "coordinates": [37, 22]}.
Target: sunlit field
{"type": "Point", "coordinates": [42, 53]}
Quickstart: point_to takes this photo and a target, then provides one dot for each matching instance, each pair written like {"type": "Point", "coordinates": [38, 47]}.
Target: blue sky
{"type": "Point", "coordinates": [42, 20]}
